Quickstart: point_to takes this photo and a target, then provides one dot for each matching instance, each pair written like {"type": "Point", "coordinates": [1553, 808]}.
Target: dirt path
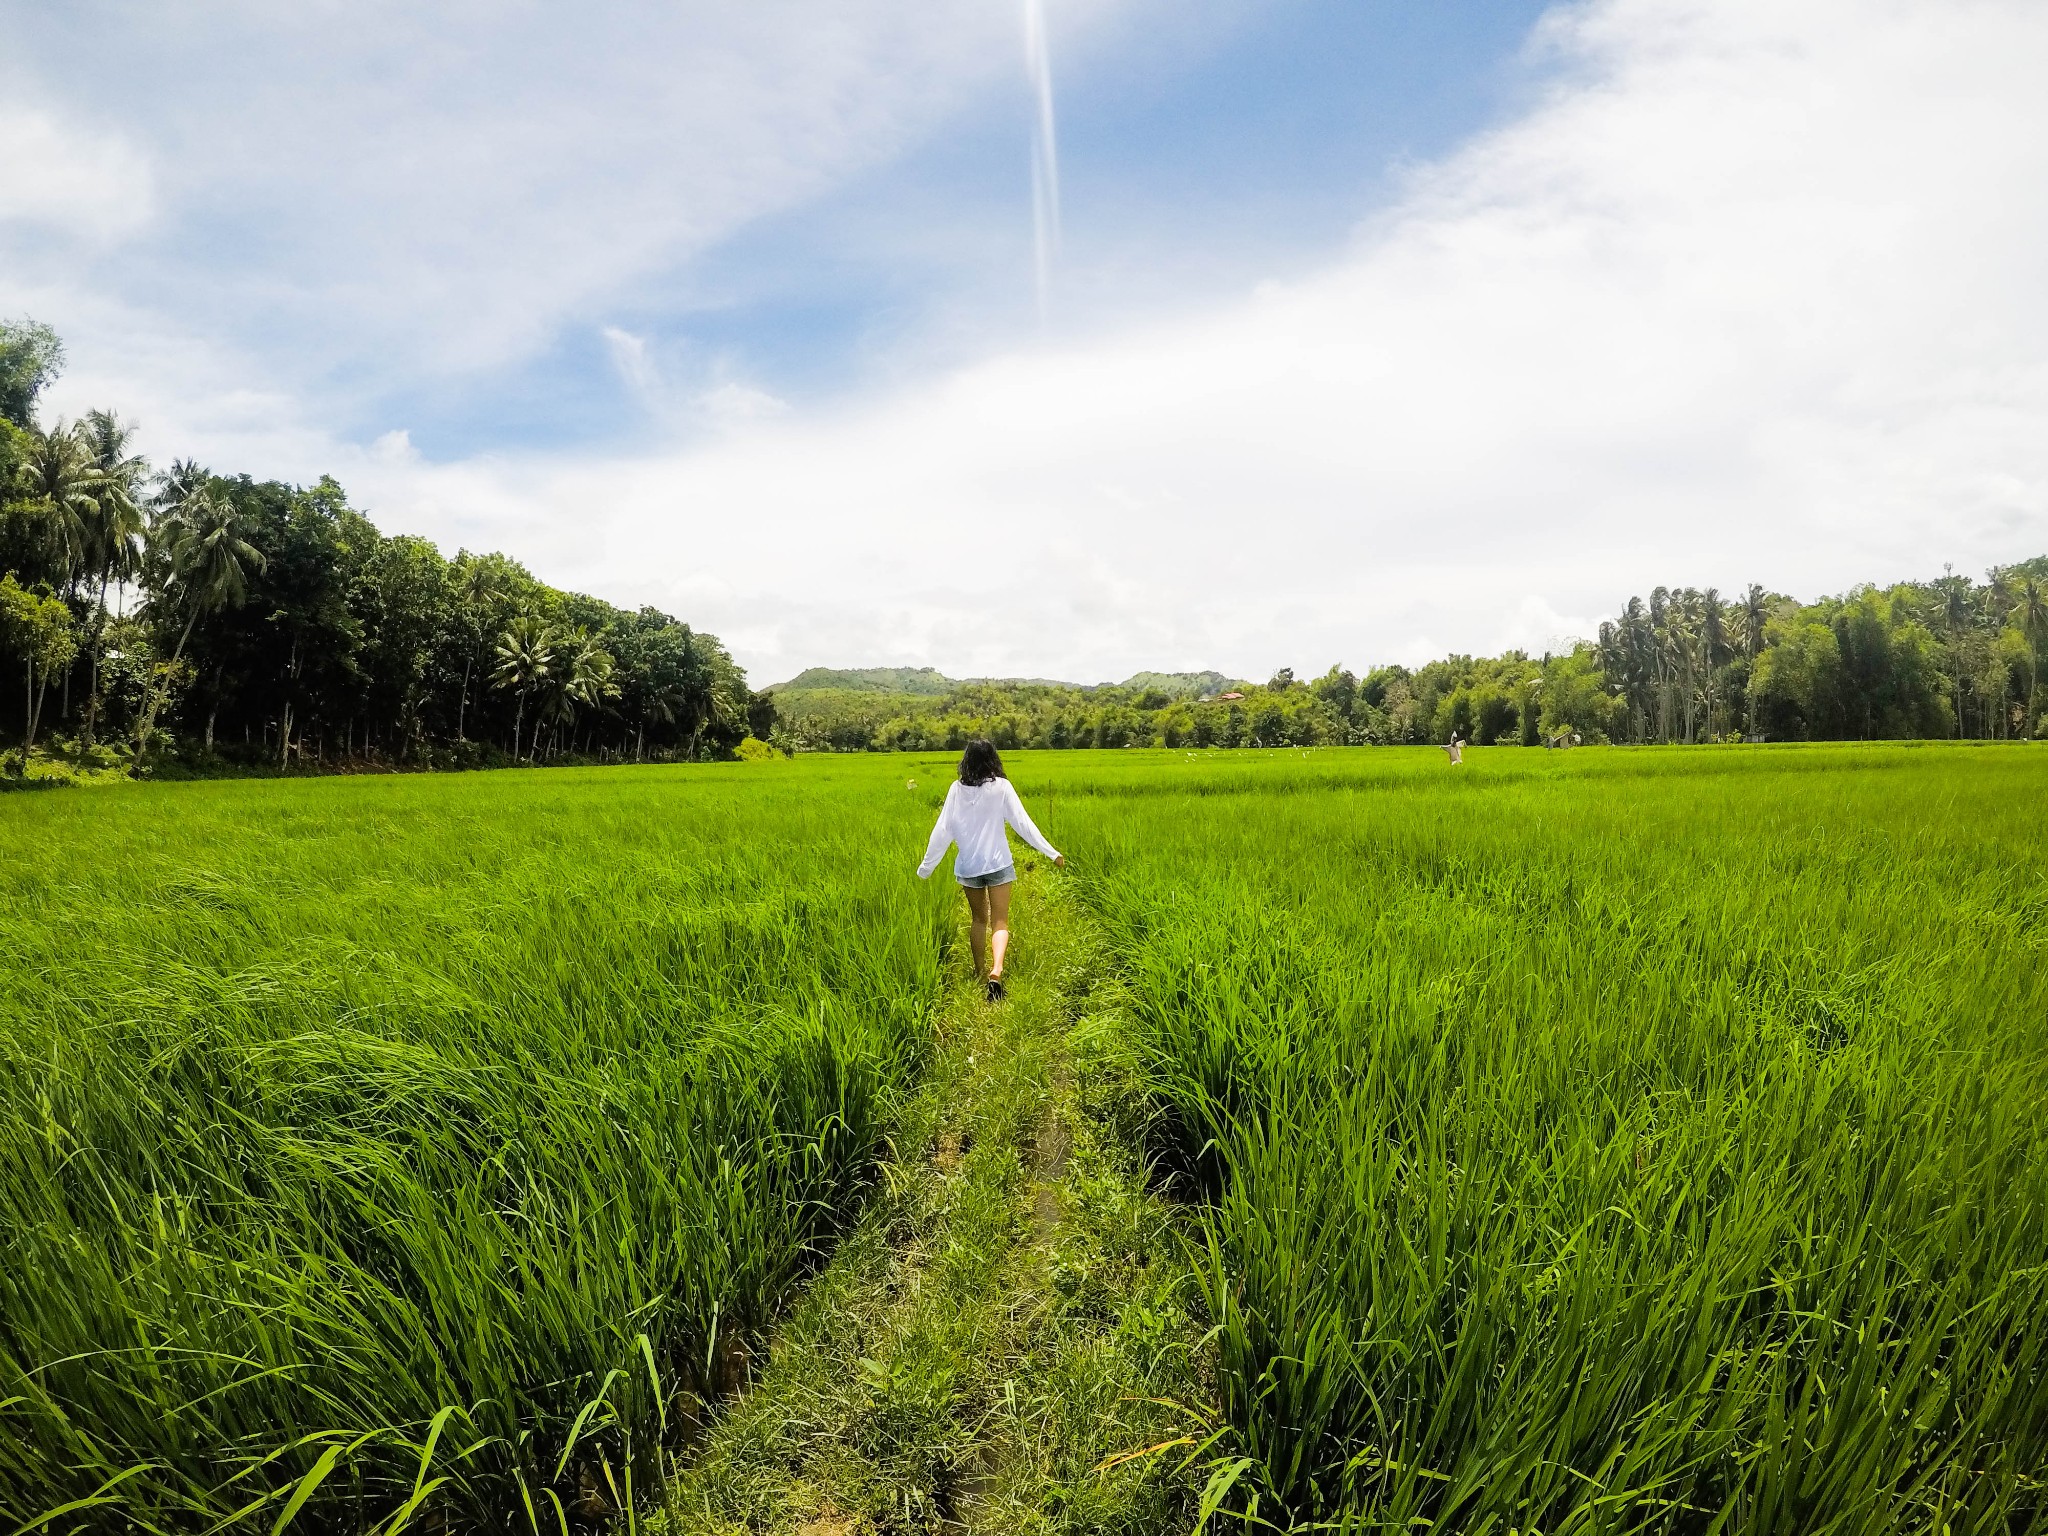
{"type": "Point", "coordinates": [1008, 1316]}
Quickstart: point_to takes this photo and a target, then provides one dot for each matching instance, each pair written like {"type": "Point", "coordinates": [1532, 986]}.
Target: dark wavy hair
{"type": "Point", "coordinates": [979, 763]}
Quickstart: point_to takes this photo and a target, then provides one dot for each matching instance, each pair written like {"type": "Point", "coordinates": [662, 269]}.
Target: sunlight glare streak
{"type": "Point", "coordinates": [1045, 165]}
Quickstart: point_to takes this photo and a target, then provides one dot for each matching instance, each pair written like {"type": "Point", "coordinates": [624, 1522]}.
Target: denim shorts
{"type": "Point", "coordinates": [1001, 876]}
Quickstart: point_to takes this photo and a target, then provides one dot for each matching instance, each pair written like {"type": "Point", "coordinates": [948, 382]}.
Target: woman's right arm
{"type": "Point", "coordinates": [941, 840]}
{"type": "Point", "coordinates": [1020, 818]}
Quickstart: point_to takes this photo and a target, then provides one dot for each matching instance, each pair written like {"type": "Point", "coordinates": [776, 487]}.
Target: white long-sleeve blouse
{"type": "Point", "coordinates": [974, 817]}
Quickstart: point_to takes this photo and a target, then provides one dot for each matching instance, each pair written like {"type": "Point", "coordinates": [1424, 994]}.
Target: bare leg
{"type": "Point", "coordinates": [977, 929]}
{"type": "Point", "coordinates": [999, 922]}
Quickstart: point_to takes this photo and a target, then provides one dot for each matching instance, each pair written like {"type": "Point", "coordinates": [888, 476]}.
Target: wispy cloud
{"type": "Point", "coordinates": [60, 180]}
{"type": "Point", "coordinates": [733, 406]}
{"type": "Point", "coordinates": [629, 356]}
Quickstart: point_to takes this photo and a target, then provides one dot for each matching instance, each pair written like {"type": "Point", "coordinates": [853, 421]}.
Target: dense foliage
{"type": "Point", "coordinates": [274, 624]}
{"type": "Point", "coordinates": [1945, 658]}
{"type": "Point", "coordinates": [1603, 1143]}
{"type": "Point", "coordinates": [425, 1143]}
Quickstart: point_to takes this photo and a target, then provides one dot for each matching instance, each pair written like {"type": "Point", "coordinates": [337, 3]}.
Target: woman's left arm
{"type": "Point", "coordinates": [1020, 818]}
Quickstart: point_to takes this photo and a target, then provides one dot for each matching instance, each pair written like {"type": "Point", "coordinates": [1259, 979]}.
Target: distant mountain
{"type": "Point", "coordinates": [923, 682]}
{"type": "Point", "coordinates": [1180, 685]}
{"type": "Point", "coordinates": [870, 680]}
{"type": "Point", "coordinates": [928, 682]}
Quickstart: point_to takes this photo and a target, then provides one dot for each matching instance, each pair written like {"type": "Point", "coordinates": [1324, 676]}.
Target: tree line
{"type": "Point", "coordinates": [190, 620]}
{"type": "Point", "coordinates": [1950, 657]}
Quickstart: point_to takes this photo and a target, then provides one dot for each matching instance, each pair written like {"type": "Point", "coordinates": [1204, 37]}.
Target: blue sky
{"type": "Point", "coordinates": [1202, 149]}
{"type": "Point", "coordinates": [1377, 327]}
{"type": "Point", "coordinates": [1199, 153]}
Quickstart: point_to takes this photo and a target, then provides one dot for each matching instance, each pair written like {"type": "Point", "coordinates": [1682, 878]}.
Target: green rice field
{"type": "Point", "coordinates": [1610, 1142]}
{"type": "Point", "coordinates": [426, 1144]}
{"type": "Point", "coordinates": [1604, 1141]}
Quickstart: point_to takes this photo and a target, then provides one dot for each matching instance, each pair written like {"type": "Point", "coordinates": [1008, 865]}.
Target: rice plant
{"type": "Point", "coordinates": [1639, 1141]}
{"type": "Point", "coordinates": [386, 1150]}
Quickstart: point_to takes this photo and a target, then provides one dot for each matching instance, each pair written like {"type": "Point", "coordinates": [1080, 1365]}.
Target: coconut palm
{"type": "Point", "coordinates": [109, 440]}
{"type": "Point", "coordinates": [1955, 611]}
{"type": "Point", "coordinates": [1714, 647]}
{"type": "Point", "coordinates": [1627, 654]}
{"type": "Point", "coordinates": [59, 483]}
{"type": "Point", "coordinates": [663, 707]}
{"type": "Point", "coordinates": [479, 589]}
{"type": "Point", "coordinates": [581, 676]}
{"type": "Point", "coordinates": [1694, 627]}
{"type": "Point", "coordinates": [526, 659]}
{"type": "Point", "coordinates": [588, 678]}
{"type": "Point", "coordinates": [207, 563]}
{"type": "Point", "coordinates": [1754, 616]}
{"type": "Point", "coordinates": [115, 542]}
{"type": "Point", "coordinates": [180, 483]}
{"type": "Point", "coordinates": [726, 705]}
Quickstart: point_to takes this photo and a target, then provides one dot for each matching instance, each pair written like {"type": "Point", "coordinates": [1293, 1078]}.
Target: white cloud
{"type": "Point", "coordinates": [732, 406]}
{"type": "Point", "coordinates": [395, 447]}
{"type": "Point", "coordinates": [56, 177]}
{"type": "Point", "coordinates": [721, 406]}
{"type": "Point", "coordinates": [1752, 294]}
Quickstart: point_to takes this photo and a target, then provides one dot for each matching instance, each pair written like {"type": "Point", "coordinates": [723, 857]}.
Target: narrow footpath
{"type": "Point", "coordinates": [1002, 1342]}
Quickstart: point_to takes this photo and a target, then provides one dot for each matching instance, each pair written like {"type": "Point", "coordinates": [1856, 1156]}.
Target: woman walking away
{"type": "Point", "coordinates": [977, 810]}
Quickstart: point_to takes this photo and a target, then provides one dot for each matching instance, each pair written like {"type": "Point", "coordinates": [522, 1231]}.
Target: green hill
{"type": "Point", "coordinates": [1179, 685]}
{"type": "Point", "coordinates": [928, 682]}
{"type": "Point", "coordinates": [921, 680]}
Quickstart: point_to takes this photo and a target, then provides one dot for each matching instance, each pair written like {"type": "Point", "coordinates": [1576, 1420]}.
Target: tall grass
{"type": "Point", "coordinates": [374, 1151]}
{"type": "Point", "coordinates": [1643, 1141]}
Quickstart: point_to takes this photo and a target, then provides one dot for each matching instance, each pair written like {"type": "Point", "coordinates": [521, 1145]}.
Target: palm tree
{"type": "Point", "coordinates": [663, 707]}
{"type": "Point", "coordinates": [115, 544]}
{"type": "Point", "coordinates": [1754, 615]}
{"type": "Point", "coordinates": [580, 676]}
{"type": "Point", "coordinates": [722, 705]}
{"type": "Point", "coordinates": [61, 482]}
{"type": "Point", "coordinates": [180, 483]}
{"type": "Point", "coordinates": [207, 569]}
{"type": "Point", "coordinates": [588, 677]}
{"type": "Point", "coordinates": [1955, 608]}
{"type": "Point", "coordinates": [1690, 640]}
{"type": "Point", "coordinates": [477, 591]}
{"type": "Point", "coordinates": [1714, 645]}
{"type": "Point", "coordinates": [526, 657]}
{"type": "Point", "coordinates": [1628, 655]}
{"type": "Point", "coordinates": [1673, 643]}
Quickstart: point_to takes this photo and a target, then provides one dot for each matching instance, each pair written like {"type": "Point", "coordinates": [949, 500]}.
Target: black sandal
{"type": "Point", "coordinates": [994, 989]}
